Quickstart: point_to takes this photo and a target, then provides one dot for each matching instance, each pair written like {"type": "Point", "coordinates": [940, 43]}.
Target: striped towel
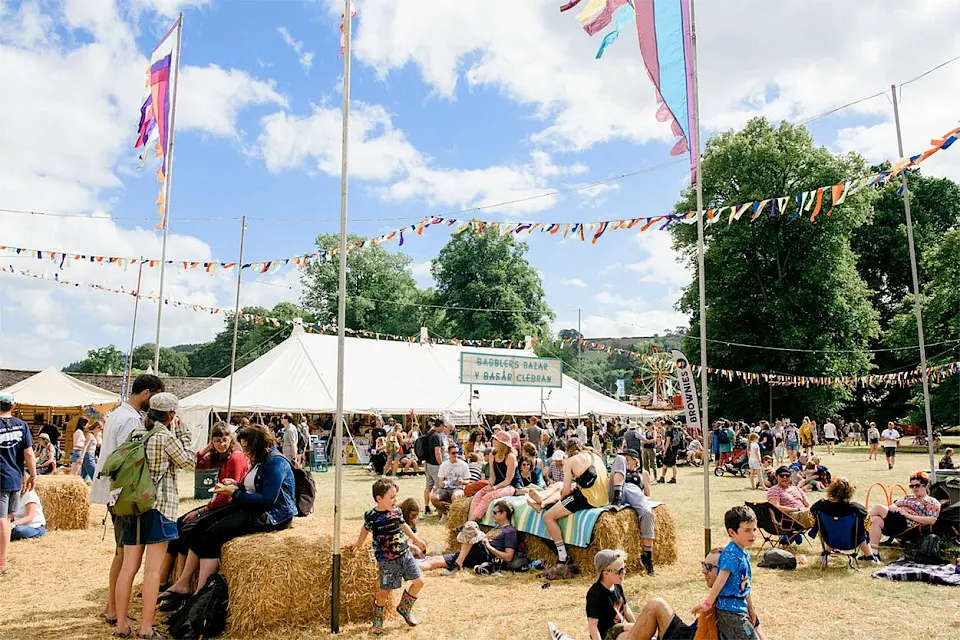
{"type": "Point", "coordinates": [577, 528]}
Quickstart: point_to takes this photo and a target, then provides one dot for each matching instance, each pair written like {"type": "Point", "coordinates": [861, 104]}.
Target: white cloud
{"type": "Point", "coordinates": [169, 8]}
{"type": "Point", "coordinates": [620, 323]}
{"type": "Point", "coordinates": [422, 274]}
{"type": "Point", "coordinates": [574, 282]}
{"type": "Point", "coordinates": [662, 264]}
{"type": "Point", "coordinates": [305, 58]}
{"type": "Point", "coordinates": [211, 98]}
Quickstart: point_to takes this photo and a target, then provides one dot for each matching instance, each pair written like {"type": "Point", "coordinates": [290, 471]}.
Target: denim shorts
{"type": "Point", "coordinates": [394, 572]}
{"type": "Point", "coordinates": [9, 501]}
{"type": "Point", "coordinates": [75, 456]}
{"type": "Point", "coordinates": [149, 528]}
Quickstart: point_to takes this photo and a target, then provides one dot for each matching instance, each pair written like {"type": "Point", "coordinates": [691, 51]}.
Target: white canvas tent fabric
{"type": "Point", "coordinates": [387, 377]}
{"type": "Point", "coordinates": [51, 388]}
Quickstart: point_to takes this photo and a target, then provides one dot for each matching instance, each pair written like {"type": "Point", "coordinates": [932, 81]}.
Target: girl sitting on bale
{"type": "Point", "coordinates": [504, 476]}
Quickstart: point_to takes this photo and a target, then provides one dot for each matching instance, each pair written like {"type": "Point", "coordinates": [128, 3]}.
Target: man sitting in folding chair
{"type": "Point", "coordinates": [841, 525]}
{"type": "Point", "coordinates": [790, 499]}
{"type": "Point", "coordinates": [777, 528]}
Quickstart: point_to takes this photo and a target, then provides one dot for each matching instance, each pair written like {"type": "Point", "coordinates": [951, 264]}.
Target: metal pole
{"type": "Point", "coordinates": [166, 197]}
{"type": "Point", "coordinates": [341, 319]}
{"type": "Point", "coordinates": [470, 405]}
{"type": "Point", "coordinates": [771, 403]}
{"type": "Point", "coordinates": [579, 365]}
{"type": "Point", "coordinates": [133, 333]}
{"type": "Point", "coordinates": [705, 422]}
{"type": "Point", "coordinates": [236, 319]}
{"type": "Point", "coordinates": [916, 292]}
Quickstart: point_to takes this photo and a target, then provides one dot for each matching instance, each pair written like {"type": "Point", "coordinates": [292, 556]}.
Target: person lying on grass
{"type": "Point", "coordinates": [491, 551]}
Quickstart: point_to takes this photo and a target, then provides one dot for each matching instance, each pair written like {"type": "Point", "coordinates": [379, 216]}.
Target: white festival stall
{"type": "Point", "coordinates": [385, 377]}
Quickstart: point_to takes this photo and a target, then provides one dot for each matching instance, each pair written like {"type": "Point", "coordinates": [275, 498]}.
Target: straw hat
{"type": "Point", "coordinates": [471, 533]}
{"type": "Point", "coordinates": [503, 437]}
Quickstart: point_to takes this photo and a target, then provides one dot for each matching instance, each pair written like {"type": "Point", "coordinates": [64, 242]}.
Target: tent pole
{"type": "Point", "coordinates": [579, 365]}
{"type": "Point", "coordinates": [341, 318]}
{"type": "Point", "coordinates": [916, 293]}
{"type": "Point", "coordinates": [236, 320]}
{"type": "Point", "coordinates": [133, 335]}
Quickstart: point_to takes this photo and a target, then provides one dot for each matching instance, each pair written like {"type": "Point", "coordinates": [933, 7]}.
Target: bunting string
{"type": "Point", "coordinates": [936, 373]}
{"type": "Point", "coordinates": [811, 204]}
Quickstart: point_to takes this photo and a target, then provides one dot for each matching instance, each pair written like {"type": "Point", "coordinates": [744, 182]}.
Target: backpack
{"type": "Point", "coordinates": [678, 439]}
{"type": "Point", "coordinates": [301, 442]}
{"type": "Point", "coordinates": [305, 492]}
{"type": "Point", "coordinates": [723, 437]}
{"type": "Point", "coordinates": [131, 483]}
{"type": "Point", "coordinates": [928, 551]}
{"type": "Point", "coordinates": [420, 447]}
{"type": "Point", "coordinates": [778, 559]}
{"type": "Point", "coordinates": [204, 614]}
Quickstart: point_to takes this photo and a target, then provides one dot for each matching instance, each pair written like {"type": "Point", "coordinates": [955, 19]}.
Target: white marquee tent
{"type": "Point", "coordinates": [51, 388]}
{"type": "Point", "coordinates": [387, 377]}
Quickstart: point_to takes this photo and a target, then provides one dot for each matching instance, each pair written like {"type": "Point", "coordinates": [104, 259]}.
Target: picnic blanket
{"type": "Point", "coordinates": [907, 571]}
{"type": "Point", "coordinates": [577, 528]}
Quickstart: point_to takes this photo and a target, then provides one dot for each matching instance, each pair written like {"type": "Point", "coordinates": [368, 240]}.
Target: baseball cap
{"type": "Point", "coordinates": [605, 558]}
{"type": "Point", "coordinates": [631, 453]}
{"type": "Point", "coordinates": [164, 402]}
{"type": "Point", "coordinates": [6, 397]}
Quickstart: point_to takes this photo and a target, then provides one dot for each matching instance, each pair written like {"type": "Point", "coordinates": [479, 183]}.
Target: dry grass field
{"type": "Point", "coordinates": [57, 584]}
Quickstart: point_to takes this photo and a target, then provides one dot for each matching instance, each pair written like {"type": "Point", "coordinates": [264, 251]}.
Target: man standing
{"type": "Point", "coordinates": [16, 456]}
{"type": "Point", "coordinates": [121, 422]}
{"type": "Point", "coordinates": [582, 433]}
{"type": "Point", "coordinates": [290, 440]}
{"type": "Point", "coordinates": [648, 449]}
{"type": "Point", "coordinates": [632, 439]}
{"type": "Point", "coordinates": [673, 442]}
{"type": "Point", "coordinates": [304, 442]}
{"type": "Point", "coordinates": [535, 433]}
{"type": "Point", "coordinates": [891, 438]}
{"type": "Point", "coordinates": [432, 461]}
{"type": "Point", "coordinates": [830, 436]}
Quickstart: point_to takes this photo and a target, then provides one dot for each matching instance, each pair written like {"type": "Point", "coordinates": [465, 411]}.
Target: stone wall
{"type": "Point", "coordinates": [182, 387]}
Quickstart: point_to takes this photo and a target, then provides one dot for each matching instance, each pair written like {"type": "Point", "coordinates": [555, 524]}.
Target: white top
{"type": "Point", "coordinates": [249, 478]}
{"type": "Point", "coordinates": [891, 437]}
{"type": "Point", "coordinates": [38, 519]}
{"type": "Point", "coordinates": [755, 451]}
{"type": "Point", "coordinates": [290, 438]}
{"type": "Point", "coordinates": [582, 433]}
{"type": "Point", "coordinates": [119, 425]}
{"type": "Point", "coordinates": [454, 475]}
{"type": "Point", "coordinates": [78, 438]}
{"type": "Point", "coordinates": [829, 430]}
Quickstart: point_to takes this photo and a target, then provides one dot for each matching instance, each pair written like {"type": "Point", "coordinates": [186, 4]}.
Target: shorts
{"type": "Point", "coordinates": [732, 625]}
{"type": "Point", "coordinates": [151, 527]}
{"type": "Point", "coordinates": [874, 440]}
{"type": "Point", "coordinates": [9, 502]}
{"type": "Point", "coordinates": [895, 524]}
{"type": "Point", "coordinates": [793, 446]}
{"type": "Point", "coordinates": [678, 630]}
{"type": "Point", "coordinates": [120, 524]}
{"type": "Point", "coordinates": [477, 555]}
{"type": "Point", "coordinates": [755, 465]}
{"type": "Point", "coordinates": [890, 452]}
{"type": "Point", "coordinates": [670, 458]}
{"type": "Point", "coordinates": [75, 456]}
{"type": "Point", "coordinates": [447, 495]}
{"type": "Point", "coordinates": [831, 440]}
{"type": "Point", "coordinates": [394, 572]}
{"type": "Point", "coordinates": [576, 502]}
{"type": "Point", "coordinates": [394, 456]}
{"type": "Point", "coordinates": [614, 632]}
{"type": "Point", "coordinates": [432, 473]}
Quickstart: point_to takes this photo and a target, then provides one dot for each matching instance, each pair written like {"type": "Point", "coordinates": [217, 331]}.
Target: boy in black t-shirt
{"type": "Point", "coordinates": [608, 615]}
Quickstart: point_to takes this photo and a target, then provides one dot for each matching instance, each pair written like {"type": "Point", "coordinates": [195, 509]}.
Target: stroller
{"type": "Point", "coordinates": [738, 465]}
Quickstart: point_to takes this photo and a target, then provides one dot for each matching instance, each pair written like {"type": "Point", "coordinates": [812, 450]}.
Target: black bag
{"type": "Point", "coordinates": [306, 492]}
{"type": "Point", "coordinates": [928, 551]}
{"type": "Point", "coordinates": [723, 437]}
{"type": "Point", "coordinates": [204, 614]}
{"type": "Point", "coordinates": [778, 559]}
{"type": "Point", "coordinates": [420, 447]}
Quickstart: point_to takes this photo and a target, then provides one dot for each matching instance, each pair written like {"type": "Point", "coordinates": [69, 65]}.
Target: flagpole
{"type": "Point", "coordinates": [236, 319]}
{"type": "Point", "coordinates": [133, 333]}
{"type": "Point", "coordinates": [341, 321]}
{"type": "Point", "coordinates": [705, 422]}
{"type": "Point", "coordinates": [168, 180]}
{"type": "Point", "coordinates": [916, 292]}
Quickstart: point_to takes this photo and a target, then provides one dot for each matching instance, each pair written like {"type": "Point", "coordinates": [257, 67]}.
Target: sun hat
{"type": "Point", "coordinates": [503, 437]}
{"type": "Point", "coordinates": [558, 455]}
{"type": "Point", "coordinates": [605, 558]}
{"type": "Point", "coordinates": [44, 436]}
{"type": "Point", "coordinates": [471, 533]}
{"type": "Point", "coordinates": [164, 402]}
{"type": "Point", "coordinates": [6, 397]}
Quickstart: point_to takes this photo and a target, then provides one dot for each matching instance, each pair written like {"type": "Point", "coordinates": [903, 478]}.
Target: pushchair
{"type": "Point", "coordinates": [738, 465]}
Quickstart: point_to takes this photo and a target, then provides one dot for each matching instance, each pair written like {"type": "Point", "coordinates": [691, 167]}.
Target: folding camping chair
{"type": "Point", "coordinates": [840, 536]}
{"type": "Point", "coordinates": [320, 457]}
{"type": "Point", "coordinates": [777, 528]}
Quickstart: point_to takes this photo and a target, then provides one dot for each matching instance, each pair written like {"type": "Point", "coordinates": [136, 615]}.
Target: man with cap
{"type": "Point", "coordinates": [630, 487]}
{"type": "Point", "coordinates": [608, 612]}
{"type": "Point", "coordinates": [16, 456]}
{"type": "Point", "coordinates": [535, 433]}
{"type": "Point", "coordinates": [454, 475]}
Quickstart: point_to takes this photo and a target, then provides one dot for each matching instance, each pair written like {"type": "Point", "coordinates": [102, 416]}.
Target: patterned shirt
{"type": "Point", "coordinates": [791, 497]}
{"type": "Point", "coordinates": [165, 452]}
{"type": "Point", "coordinates": [389, 542]}
{"type": "Point", "coordinates": [925, 506]}
{"type": "Point", "coordinates": [733, 596]}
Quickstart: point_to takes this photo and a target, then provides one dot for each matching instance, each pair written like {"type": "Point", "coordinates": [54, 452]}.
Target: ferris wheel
{"type": "Point", "coordinates": [655, 378]}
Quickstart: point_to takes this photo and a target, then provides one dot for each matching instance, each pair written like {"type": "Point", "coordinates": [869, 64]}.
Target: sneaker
{"type": "Point", "coordinates": [443, 519]}
{"type": "Point", "coordinates": [556, 634]}
{"type": "Point", "coordinates": [661, 480]}
{"type": "Point", "coordinates": [450, 571]}
{"type": "Point", "coordinates": [672, 481]}
{"type": "Point", "coordinates": [483, 569]}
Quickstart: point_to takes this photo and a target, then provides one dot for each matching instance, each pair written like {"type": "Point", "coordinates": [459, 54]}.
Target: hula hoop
{"type": "Point", "coordinates": [886, 494]}
{"type": "Point", "coordinates": [896, 486]}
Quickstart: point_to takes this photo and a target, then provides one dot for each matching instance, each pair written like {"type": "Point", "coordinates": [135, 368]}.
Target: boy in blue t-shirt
{"type": "Point", "coordinates": [736, 617]}
{"type": "Point", "coordinates": [396, 563]}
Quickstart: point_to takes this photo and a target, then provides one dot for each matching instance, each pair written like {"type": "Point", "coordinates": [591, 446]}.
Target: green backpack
{"type": "Point", "coordinates": [131, 485]}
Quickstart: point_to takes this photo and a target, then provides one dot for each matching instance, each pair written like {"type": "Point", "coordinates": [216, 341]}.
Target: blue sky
{"type": "Point", "coordinates": [455, 105]}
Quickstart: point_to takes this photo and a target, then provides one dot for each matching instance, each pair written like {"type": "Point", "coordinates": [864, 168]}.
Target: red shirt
{"type": "Point", "coordinates": [236, 466]}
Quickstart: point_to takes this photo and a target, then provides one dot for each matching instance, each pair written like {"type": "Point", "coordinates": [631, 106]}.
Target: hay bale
{"type": "Point", "coordinates": [458, 514]}
{"type": "Point", "coordinates": [65, 501]}
{"type": "Point", "coordinates": [620, 530]}
{"type": "Point", "coordinates": [273, 575]}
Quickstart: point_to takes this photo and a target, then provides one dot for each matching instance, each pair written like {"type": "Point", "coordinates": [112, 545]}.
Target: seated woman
{"type": "Point", "coordinates": [28, 520]}
{"type": "Point", "coordinates": [497, 547]}
{"type": "Point", "coordinates": [838, 504]}
{"type": "Point", "coordinates": [408, 461]}
{"type": "Point", "coordinates": [530, 475]}
{"type": "Point", "coordinates": [503, 478]}
{"type": "Point", "coordinates": [262, 502]}
{"type": "Point", "coordinates": [46, 455]}
{"type": "Point", "coordinates": [224, 454]}
{"type": "Point", "coordinates": [587, 468]}
{"type": "Point", "coordinates": [530, 451]}
{"type": "Point", "coordinates": [904, 514]}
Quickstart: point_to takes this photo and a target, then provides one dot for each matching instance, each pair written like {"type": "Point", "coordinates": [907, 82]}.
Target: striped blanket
{"type": "Point", "coordinates": [577, 528]}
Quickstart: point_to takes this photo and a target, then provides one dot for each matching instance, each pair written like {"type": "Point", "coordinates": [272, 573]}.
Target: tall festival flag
{"type": "Point", "coordinates": [156, 131]}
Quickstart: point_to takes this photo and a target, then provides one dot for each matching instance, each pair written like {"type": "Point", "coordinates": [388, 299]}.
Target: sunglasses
{"type": "Point", "coordinates": [783, 475]}
{"type": "Point", "coordinates": [621, 571]}
{"type": "Point", "coordinates": [707, 567]}
{"type": "Point", "coordinates": [916, 486]}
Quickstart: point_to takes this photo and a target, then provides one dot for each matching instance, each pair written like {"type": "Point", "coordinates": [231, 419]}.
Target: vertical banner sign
{"type": "Point", "coordinates": [688, 389]}
{"type": "Point", "coordinates": [621, 388]}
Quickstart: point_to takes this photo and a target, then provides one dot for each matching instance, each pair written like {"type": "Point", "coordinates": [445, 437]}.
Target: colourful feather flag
{"type": "Point", "coordinates": [666, 44]}
{"type": "Point", "coordinates": [155, 114]}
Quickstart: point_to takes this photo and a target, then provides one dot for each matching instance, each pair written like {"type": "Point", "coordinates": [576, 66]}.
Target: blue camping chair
{"type": "Point", "coordinates": [320, 457]}
{"type": "Point", "coordinates": [840, 536]}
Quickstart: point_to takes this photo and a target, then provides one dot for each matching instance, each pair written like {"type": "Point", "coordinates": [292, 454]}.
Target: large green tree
{"type": "Point", "coordinates": [489, 289]}
{"type": "Point", "coordinates": [100, 361]}
{"type": "Point", "coordinates": [776, 282]}
{"type": "Point", "coordinates": [381, 292]}
{"type": "Point", "coordinates": [172, 363]}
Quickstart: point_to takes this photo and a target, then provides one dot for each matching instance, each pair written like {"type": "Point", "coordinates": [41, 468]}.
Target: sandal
{"type": "Point", "coordinates": [171, 595]}
{"type": "Point", "coordinates": [154, 635]}
{"type": "Point", "coordinates": [113, 621]}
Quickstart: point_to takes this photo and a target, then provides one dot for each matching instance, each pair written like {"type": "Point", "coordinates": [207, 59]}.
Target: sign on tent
{"type": "Point", "coordinates": [510, 371]}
